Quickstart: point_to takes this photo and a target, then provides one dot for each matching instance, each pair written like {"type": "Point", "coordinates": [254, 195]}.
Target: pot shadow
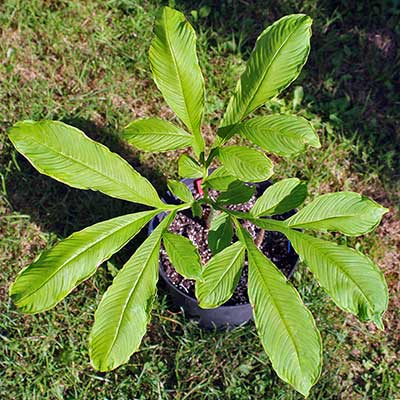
{"type": "Point", "coordinates": [62, 210]}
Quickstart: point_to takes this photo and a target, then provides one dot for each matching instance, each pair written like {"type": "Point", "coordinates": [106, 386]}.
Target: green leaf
{"type": "Point", "coordinates": [277, 59]}
{"type": "Point", "coordinates": [220, 277]}
{"type": "Point", "coordinates": [245, 163]}
{"type": "Point", "coordinates": [69, 156]}
{"type": "Point", "coordinates": [57, 271]}
{"type": "Point", "coordinates": [346, 212]}
{"type": "Point", "coordinates": [188, 167]}
{"type": "Point", "coordinates": [220, 179]}
{"type": "Point", "coordinates": [176, 70]}
{"type": "Point", "coordinates": [124, 311]}
{"type": "Point", "coordinates": [156, 135]}
{"type": "Point", "coordinates": [280, 197]}
{"type": "Point", "coordinates": [183, 255]}
{"type": "Point", "coordinates": [237, 192]}
{"type": "Point", "coordinates": [286, 327]}
{"type": "Point", "coordinates": [284, 135]}
{"type": "Point", "coordinates": [221, 232]}
{"type": "Point", "coordinates": [180, 190]}
{"type": "Point", "coordinates": [197, 211]}
{"type": "Point", "coordinates": [353, 281]}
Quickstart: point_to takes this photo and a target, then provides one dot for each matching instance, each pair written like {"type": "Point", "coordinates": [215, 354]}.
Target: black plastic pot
{"type": "Point", "coordinates": [221, 317]}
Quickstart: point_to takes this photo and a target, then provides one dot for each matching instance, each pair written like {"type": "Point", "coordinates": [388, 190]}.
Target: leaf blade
{"type": "Point", "coordinates": [346, 212]}
{"type": "Point", "coordinates": [180, 190]}
{"type": "Point", "coordinates": [124, 310]}
{"type": "Point", "coordinates": [66, 154]}
{"type": "Point", "coordinates": [286, 327]}
{"type": "Point", "coordinates": [220, 179]}
{"type": "Point", "coordinates": [277, 59]}
{"type": "Point", "coordinates": [280, 197]}
{"type": "Point", "coordinates": [176, 71]}
{"type": "Point", "coordinates": [188, 167]}
{"type": "Point", "coordinates": [284, 135]}
{"type": "Point", "coordinates": [237, 192]}
{"type": "Point", "coordinates": [220, 276]}
{"type": "Point", "coordinates": [183, 255]}
{"type": "Point", "coordinates": [246, 164]}
{"type": "Point", "coordinates": [156, 135]}
{"type": "Point", "coordinates": [350, 278]}
{"type": "Point", "coordinates": [220, 233]}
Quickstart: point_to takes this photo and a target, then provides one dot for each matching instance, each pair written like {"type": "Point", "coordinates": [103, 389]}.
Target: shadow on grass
{"type": "Point", "coordinates": [60, 209]}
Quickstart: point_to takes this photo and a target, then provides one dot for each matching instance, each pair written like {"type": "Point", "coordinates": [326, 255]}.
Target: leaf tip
{"type": "Point", "coordinates": [379, 323]}
{"type": "Point", "coordinates": [384, 210]}
{"type": "Point", "coordinates": [316, 143]}
{"type": "Point", "coordinates": [98, 365]}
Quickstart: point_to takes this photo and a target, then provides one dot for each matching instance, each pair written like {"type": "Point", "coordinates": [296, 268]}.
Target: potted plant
{"type": "Point", "coordinates": [285, 326]}
{"type": "Point", "coordinates": [210, 233]}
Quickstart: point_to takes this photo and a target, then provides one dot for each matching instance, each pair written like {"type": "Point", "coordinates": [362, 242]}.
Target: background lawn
{"type": "Point", "coordinates": [85, 62]}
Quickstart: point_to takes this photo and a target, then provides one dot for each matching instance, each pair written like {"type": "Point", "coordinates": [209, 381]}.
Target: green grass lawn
{"type": "Point", "coordinates": [85, 62]}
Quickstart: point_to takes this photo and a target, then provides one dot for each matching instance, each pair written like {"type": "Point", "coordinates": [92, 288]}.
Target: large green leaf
{"type": "Point", "coordinates": [220, 276]}
{"type": "Point", "coordinates": [68, 155]}
{"type": "Point", "coordinates": [176, 70]}
{"type": "Point", "coordinates": [346, 212]}
{"type": "Point", "coordinates": [284, 135]}
{"type": "Point", "coordinates": [286, 327]}
{"type": "Point", "coordinates": [156, 135]}
{"type": "Point", "coordinates": [56, 272]}
{"type": "Point", "coordinates": [180, 190]}
{"type": "Point", "coordinates": [353, 281]}
{"type": "Point", "coordinates": [280, 197]}
{"type": "Point", "coordinates": [188, 167]}
{"type": "Point", "coordinates": [245, 163]}
{"type": "Point", "coordinates": [183, 255]}
{"type": "Point", "coordinates": [221, 232]}
{"type": "Point", "coordinates": [277, 59]}
{"type": "Point", "coordinates": [124, 311]}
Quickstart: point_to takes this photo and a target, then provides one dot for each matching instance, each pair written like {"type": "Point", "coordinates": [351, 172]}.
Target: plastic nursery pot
{"type": "Point", "coordinates": [225, 316]}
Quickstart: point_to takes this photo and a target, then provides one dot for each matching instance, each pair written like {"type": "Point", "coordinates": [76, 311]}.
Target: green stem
{"type": "Point", "coordinates": [264, 223]}
{"type": "Point", "coordinates": [228, 132]}
{"type": "Point", "coordinates": [174, 207]}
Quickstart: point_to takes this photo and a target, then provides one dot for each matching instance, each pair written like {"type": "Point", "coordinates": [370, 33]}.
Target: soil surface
{"type": "Point", "coordinates": [275, 246]}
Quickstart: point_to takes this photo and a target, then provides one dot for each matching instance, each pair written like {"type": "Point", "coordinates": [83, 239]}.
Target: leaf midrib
{"type": "Point", "coordinates": [184, 135]}
{"type": "Point", "coordinates": [267, 71]}
{"type": "Point", "coordinates": [270, 209]}
{"type": "Point", "coordinates": [188, 256]}
{"type": "Point", "coordinates": [292, 135]}
{"type": "Point", "coordinates": [130, 294]}
{"type": "Point", "coordinates": [74, 256]}
{"type": "Point", "coordinates": [227, 269]}
{"type": "Point", "coordinates": [335, 262]}
{"type": "Point", "coordinates": [291, 335]}
{"type": "Point", "coordinates": [300, 224]}
{"type": "Point", "coordinates": [253, 172]}
{"type": "Point", "coordinates": [178, 73]}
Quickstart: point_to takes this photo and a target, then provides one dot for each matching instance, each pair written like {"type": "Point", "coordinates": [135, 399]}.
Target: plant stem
{"type": "Point", "coordinates": [267, 224]}
{"type": "Point", "coordinates": [259, 238]}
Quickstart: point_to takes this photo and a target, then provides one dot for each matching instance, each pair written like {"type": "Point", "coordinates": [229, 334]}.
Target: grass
{"type": "Point", "coordinates": [85, 62]}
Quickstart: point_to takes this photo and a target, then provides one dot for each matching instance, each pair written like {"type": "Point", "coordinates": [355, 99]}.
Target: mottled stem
{"type": "Point", "coordinates": [259, 238]}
